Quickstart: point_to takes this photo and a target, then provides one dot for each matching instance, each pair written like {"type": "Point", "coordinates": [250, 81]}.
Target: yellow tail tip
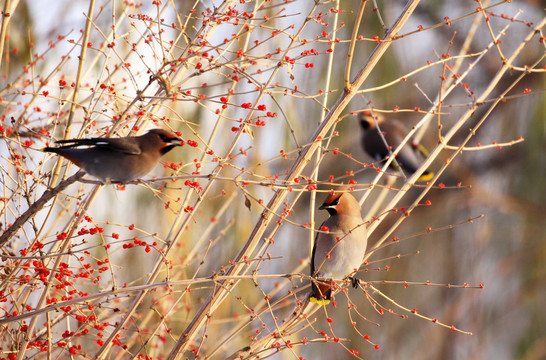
{"type": "Point", "coordinates": [320, 302]}
{"type": "Point", "coordinates": [426, 177]}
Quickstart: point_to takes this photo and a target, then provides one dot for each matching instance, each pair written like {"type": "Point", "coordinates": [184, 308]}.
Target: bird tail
{"type": "Point", "coordinates": [321, 293]}
{"type": "Point", "coordinates": [63, 152]}
{"type": "Point", "coordinates": [426, 176]}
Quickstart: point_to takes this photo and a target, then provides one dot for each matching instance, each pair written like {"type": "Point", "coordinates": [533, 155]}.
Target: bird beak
{"type": "Point", "coordinates": [169, 144]}
{"type": "Point", "coordinates": [175, 141]}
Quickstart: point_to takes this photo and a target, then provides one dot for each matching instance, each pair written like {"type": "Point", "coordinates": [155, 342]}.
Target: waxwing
{"type": "Point", "coordinates": [340, 245]}
{"type": "Point", "coordinates": [118, 160]}
{"type": "Point", "coordinates": [410, 157]}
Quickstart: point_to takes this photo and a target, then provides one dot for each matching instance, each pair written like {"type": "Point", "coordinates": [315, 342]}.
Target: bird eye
{"type": "Point", "coordinates": [165, 138]}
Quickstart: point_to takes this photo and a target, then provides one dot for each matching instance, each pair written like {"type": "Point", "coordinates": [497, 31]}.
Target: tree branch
{"type": "Point", "coordinates": [37, 206]}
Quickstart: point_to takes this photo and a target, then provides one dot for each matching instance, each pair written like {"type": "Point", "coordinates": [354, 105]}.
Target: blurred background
{"type": "Point", "coordinates": [505, 250]}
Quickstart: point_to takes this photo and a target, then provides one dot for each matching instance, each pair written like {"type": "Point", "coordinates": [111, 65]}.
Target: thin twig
{"type": "Point", "coordinates": [38, 205]}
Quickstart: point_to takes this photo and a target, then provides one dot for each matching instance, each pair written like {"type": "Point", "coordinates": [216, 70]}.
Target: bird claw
{"type": "Point", "coordinates": [354, 282]}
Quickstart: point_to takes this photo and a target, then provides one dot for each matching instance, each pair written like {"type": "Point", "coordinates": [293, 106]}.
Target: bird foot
{"type": "Point", "coordinates": [354, 282]}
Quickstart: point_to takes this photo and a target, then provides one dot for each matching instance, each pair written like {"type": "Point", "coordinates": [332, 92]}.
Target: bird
{"type": "Point", "coordinates": [117, 160]}
{"type": "Point", "coordinates": [340, 245]}
{"type": "Point", "coordinates": [410, 157]}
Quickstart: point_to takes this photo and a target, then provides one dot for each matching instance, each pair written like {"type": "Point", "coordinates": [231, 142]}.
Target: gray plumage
{"type": "Point", "coordinates": [118, 159]}
{"type": "Point", "coordinates": [338, 251]}
{"type": "Point", "coordinates": [410, 157]}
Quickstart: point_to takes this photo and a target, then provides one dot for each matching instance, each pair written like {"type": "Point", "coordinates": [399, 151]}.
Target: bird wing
{"type": "Point", "coordinates": [313, 255]}
{"type": "Point", "coordinates": [337, 253]}
{"type": "Point", "coordinates": [408, 156]}
{"type": "Point", "coordinates": [324, 243]}
{"type": "Point", "coordinates": [422, 150]}
{"type": "Point", "coordinates": [320, 290]}
{"type": "Point", "coordinates": [120, 145]}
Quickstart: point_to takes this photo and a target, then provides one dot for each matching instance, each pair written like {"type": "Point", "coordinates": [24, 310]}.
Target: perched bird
{"type": "Point", "coordinates": [339, 246]}
{"type": "Point", "coordinates": [410, 157]}
{"type": "Point", "coordinates": [118, 160]}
